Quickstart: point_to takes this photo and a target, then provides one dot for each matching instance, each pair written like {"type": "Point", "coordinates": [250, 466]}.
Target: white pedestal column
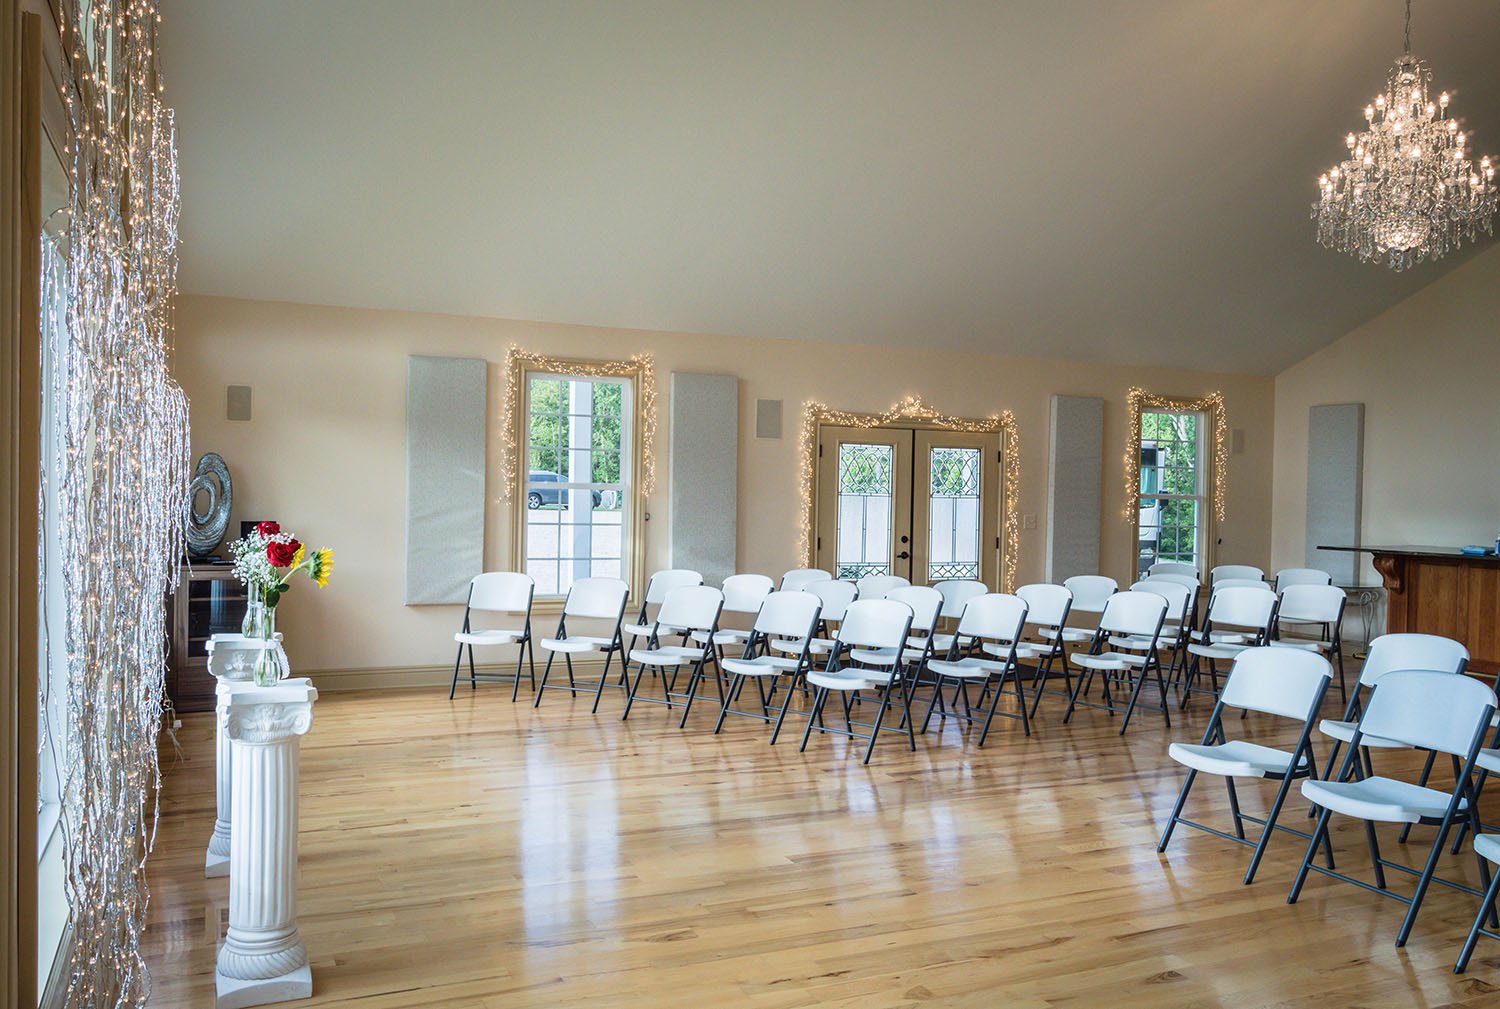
{"type": "Point", "coordinates": [263, 959]}
{"type": "Point", "coordinates": [231, 660]}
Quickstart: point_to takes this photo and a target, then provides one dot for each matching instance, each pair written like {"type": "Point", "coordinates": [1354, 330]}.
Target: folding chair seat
{"type": "Point", "coordinates": [601, 599]}
{"type": "Point", "coordinates": [1136, 617]}
{"type": "Point", "coordinates": [1275, 682]}
{"type": "Point", "coordinates": [870, 625]}
{"type": "Point", "coordinates": [997, 620]}
{"type": "Point", "coordinates": [786, 617]}
{"type": "Point", "coordinates": [507, 592]}
{"type": "Point", "coordinates": [694, 611]}
{"type": "Point", "coordinates": [1435, 711]}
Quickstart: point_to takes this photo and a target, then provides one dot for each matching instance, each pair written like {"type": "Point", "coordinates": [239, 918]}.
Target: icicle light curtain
{"type": "Point", "coordinates": [118, 470]}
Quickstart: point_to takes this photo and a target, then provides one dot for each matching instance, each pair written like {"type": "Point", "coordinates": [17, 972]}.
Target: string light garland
{"type": "Point", "coordinates": [1212, 405]}
{"type": "Point", "coordinates": [909, 409]}
{"type": "Point", "coordinates": [641, 367]}
{"type": "Point", "coordinates": [115, 476]}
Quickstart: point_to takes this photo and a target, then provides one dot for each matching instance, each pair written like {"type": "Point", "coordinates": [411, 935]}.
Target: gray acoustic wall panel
{"type": "Point", "coordinates": [1074, 486]}
{"type": "Point", "coordinates": [1335, 476]}
{"type": "Point", "coordinates": [445, 430]}
{"type": "Point", "coordinates": [705, 473]}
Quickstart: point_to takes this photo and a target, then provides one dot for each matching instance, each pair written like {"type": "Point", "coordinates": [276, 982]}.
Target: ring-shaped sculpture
{"type": "Point", "coordinates": [205, 527]}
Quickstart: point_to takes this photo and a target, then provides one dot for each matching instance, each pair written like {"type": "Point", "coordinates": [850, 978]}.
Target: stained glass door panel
{"type": "Point", "coordinates": [955, 513]}
{"type": "Point", "coordinates": [864, 508]}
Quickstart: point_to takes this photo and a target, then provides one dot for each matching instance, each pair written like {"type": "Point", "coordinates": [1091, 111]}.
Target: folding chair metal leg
{"type": "Point", "coordinates": [786, 702]}
{"type": "Point", "coordinates": [1234, 809]}
{"type": "Point", "coordinates": [456, 660]}
{"type": "Point", "coordinates": [820, 695]}
{"type": "Point", "coordinates": [885, 700]}
{"type": "Point", "coordinates": [1021, 703]}
{"type": "Point", "coordinates": [536, 702]}
{"type": "Point", "coordinates": [1425, 879]}
{"type": "Point", "coordinates": [572, 686]}
{"type": "Point", "coordinates": [1319, 832]}
{"type": "Point", "coordinates": [1486, 907]}
{"type": "Point", "coordinates": [473, 680]}
{"type": "Point", "coordinates": [1374, 845]}
{"type": "Point", "coordinates": [640, 672]}
{"type": "Point", "coordinates": [1166, 834]}
{"type": "Point", "coordinates": [1135, 693]}
{"type": "Point", "coordinates": [937, 691]}
{"type": "Point", "coordinates": [1270, 825]}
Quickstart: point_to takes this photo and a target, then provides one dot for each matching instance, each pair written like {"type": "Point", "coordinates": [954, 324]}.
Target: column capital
{"type": "Point", "coordinates": [232, 656]}
{"type": "Point", "coordinates": [262, 715]}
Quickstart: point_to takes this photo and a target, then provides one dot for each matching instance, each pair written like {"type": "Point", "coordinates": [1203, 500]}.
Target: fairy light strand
{"type": "Point", "coordinates": [909, 409]}
{"type": "Point", "coordinates": [640, 367]}
{"type": "Point", "coordinates": [117, 474]}
{"type": "Point", "coordinates": [1212, 406]}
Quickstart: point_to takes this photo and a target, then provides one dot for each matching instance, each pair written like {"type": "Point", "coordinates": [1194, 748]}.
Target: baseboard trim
{"type": "Point", "coordinates": [398, 677]}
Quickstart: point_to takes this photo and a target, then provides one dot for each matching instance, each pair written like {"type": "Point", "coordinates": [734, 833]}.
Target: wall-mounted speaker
{"type": "Point", "coordinates": [238, 402]}
{"type": "Point", "coordinates": [768, 418]}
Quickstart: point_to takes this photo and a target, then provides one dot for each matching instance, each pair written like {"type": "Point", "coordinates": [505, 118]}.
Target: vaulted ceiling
{"type": "Point", "coordinates": [1122, 180]}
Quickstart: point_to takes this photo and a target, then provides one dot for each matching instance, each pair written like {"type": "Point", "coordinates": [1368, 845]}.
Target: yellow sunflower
{"type": "Point", "coordinates": [322, 566]}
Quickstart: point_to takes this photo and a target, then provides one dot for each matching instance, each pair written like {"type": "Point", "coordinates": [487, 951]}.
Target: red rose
{"type": "Point", "coordinates": [281, 555]}
{"type": "Point", "coordinates": [268, 529]}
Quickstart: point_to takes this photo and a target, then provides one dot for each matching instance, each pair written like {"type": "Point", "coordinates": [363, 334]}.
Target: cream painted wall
{"type": "Point", "coordinates": [1428, 372]}
{"type": "Point", "coordinates": [324, 453]}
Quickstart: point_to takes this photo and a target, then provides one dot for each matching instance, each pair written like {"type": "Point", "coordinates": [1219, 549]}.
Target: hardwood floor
{"type": "Point", "coordinates": [479, 853]}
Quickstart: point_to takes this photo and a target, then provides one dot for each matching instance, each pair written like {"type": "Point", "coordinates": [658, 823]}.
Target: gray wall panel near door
{"type": "Point", "coordinates": [1074, 486]}
{"type": "Point", "coordinates": [705, 438]}
{"type": "Point", "coordinates": [1335, 475]}
{"type": "Point", "coordinates": [445, 431]}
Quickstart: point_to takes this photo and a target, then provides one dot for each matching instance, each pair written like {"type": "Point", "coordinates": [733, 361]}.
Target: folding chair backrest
{"type": "Point", "coordinates": [876, 586]}
{"type": "Point", "coordinates": [665, 581]}
{"type": "Point", "coordinates": [1278, 681]}
{"type": "Point", "coordinates": [501, 592]}
{"type": "Point", "coordinates": [926, 604]}
{"type": "Point", "coordinates": [957, 592]}
{"type": "Point", "coordinates": [603, 598]}
{"type": "Point", "coordinates": [1432, 710]}
{"type": "Point", "coordinates": [1173, 568]}
{"type": "Point", "coordinates": [800, 578]}
{"type": "Point", "coordinates": [1090, 592]}
{"type": "Point", "coordinates": [1314, 604]}
{"type": "Point", "coordinates": [1287, 577]}
{"type": "Point", "coordinates": [788, 614]}
{"type": "Point", "coordinates": [1133, 613]}
{"type": "Point", "coordinates": [1190, 582]}
{"type": "Point", "coordinates": [744, 593]}
{"type": "Point", "coordinates": [875, 623]}
{"type": "Point", "coordinates": [691, 608]}
{"type": "Point", "coordinates": [1238, 583]}
{"type": "Point", "coordinates": [1178, 596]}
{"type": "Point", "coordinates": [1241, 606]}
{"type": "Point", "coordinates": [994, 616]}
{"type": "Point", "coordinates": [835, 596]}
{"type": "Point", "coordinates": [1247, 571]}
{"type": "Point", "coordinates": [1391, 652]}
{"type": "Point", "coordinates": [1047, 605]}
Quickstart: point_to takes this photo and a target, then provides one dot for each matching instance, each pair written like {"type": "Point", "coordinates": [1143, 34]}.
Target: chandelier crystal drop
{"type": "Point", "coordinates": [1408, 189]}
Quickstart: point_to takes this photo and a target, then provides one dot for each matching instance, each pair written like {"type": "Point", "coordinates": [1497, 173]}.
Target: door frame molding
{"type": "Point", "coordinates": [912, 412]}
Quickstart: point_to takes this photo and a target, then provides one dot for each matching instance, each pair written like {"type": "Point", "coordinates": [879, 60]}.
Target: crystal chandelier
{"type": "Point", "coordinates": [1408, 190]}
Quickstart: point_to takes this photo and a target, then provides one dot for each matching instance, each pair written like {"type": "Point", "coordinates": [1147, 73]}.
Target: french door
{"type": "Point", "coordinates": [915, 502]}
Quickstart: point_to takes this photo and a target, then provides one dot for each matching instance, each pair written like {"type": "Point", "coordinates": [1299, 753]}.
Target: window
{"type": "Point", "coordinates": [577, 485]}
{"type": "Point", "coordinates": [1173, 501]}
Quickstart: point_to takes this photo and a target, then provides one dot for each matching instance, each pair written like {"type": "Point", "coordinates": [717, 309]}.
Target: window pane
{"type": "Point", "coordinates": [864, 510]}
{"type": "Point", "coordinates": [953, 514]}
{"type": "Point", "coordinates": [1171, 489]}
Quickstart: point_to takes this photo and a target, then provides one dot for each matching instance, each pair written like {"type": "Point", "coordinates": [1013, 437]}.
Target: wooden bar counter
{"type": "Point", "coordinates": [1439, 590]}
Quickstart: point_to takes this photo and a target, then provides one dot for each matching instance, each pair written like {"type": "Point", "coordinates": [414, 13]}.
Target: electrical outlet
{"type": "Point", "coordinates": [1028, 521]}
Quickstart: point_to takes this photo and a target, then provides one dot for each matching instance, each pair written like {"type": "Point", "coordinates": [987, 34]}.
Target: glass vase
{"type": "Point", "coordinates": [253, 626]}
{"type": "Point", "coordinates": [267, 662]}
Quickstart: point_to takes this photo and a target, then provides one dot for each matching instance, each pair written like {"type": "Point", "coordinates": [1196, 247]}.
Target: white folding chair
{"type": "Point", "coordinates": [743, 595]}
{"type": "Point", "coordinates": [1238, 617]}
{"type": "Point", "coordinates": [873, 626]}
{"type": "Point", "coordinates": [1389, 653]}
{"type": "Point", "coordinates": [507, 592]}
{"type": "Point", "coordinates": [657, 588]}
{"type": "Point", "coordinates": [790, 618]}
{"type": "Point", "coordinates": [588, 599]}
{"type": "Point", "coordinates": [798, 579]}
{"type": "Point", "coordinates": [1248, 572]}
{"type": "Point", "coordinates": [1289, 684]}
{"type": "Point", "coordinates": [1047, 608]}
{"type": "Point", "coordinates": [876, 586]}
{"type": "Point", "coordinates": [835, 597]}
{"type": "Point", "coordinates": [956, 594]}
{"type": "Point", "coordinates": [1132, 621]}
{"type": "Point", "coordinates": [996, 620]}
{"type": "Point", "coordinates": [1434, 711]}
{"type": "Point", "coordinates": [1287, 577]}
{"type": "Point", "coordinates": [694, 612]}
{"type": "Point", "coordinates": [1176, 630]}
{"type": "Point", "coordinates": [1321, 606]}
{"type": "Point", "coordinates": [1487, 847]}
{"type": "Point", "coordinates": [1091, 593]}
{"type": "Point", "coordinates": [1172, 568]}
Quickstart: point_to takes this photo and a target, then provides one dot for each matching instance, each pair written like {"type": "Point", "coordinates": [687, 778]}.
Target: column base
{"type": "Point", "coordinates": [232, 993]}
{"type": "Point", "coordinates": [215, 865]}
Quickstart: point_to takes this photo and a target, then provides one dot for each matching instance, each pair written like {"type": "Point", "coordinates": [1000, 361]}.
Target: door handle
{"type": "Point", "coordinates": [904, 555]}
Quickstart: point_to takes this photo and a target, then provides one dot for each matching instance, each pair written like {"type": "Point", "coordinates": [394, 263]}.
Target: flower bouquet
{"type": "Point", "coordinates": [265, 562]}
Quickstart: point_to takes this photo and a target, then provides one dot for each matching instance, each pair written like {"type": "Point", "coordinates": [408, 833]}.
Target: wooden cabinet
{"type": "Point", "coordinates": [208, 601]}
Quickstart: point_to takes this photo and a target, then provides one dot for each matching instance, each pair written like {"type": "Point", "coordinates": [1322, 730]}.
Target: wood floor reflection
{"type": "Point", "coordinates": [479, 853]}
